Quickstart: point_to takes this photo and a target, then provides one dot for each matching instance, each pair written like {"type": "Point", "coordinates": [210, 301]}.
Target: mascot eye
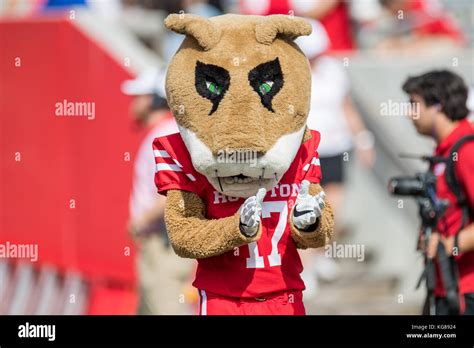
{"type": "Point", "coordinates": [212, 82]}
{"type": "Point", "coordinates": [267, 79]}
{"type": "Point", "coordinates": [213, 87]}
{"type": "Point", "coordinates": [265, 87]}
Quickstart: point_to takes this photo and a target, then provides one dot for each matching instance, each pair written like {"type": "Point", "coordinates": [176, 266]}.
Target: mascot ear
{"type": "Point", "coordinates": [203, 30]}
{"type": "Point", "coordinates": [270, 26]}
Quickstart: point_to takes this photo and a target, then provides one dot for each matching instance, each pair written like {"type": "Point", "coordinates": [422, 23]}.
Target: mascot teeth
{"type": "Point", "coordinates": [237, 179]}
{"type": "Point", "coordinates": [229, 180]}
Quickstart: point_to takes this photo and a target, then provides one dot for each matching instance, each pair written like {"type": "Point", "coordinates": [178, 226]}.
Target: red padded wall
{"type": "Point", "coordinates": [64, 158]}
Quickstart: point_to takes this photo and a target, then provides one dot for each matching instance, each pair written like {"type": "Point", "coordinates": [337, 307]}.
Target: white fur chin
{"type": "Point", "coordinates": [273, 164]}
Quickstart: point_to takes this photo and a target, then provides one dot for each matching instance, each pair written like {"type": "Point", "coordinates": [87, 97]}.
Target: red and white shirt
{"type": "Point", "coordinates": [450, 223]}
{"type": "Point", "coordinates": [270, 265]}
{"type": "Point", "coordinates": [143, 195]}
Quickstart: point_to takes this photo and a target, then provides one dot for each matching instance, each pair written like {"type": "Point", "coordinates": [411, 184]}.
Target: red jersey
{"type": "Point", "coordinates": [451, 222]}
{"type": "Point", "coordinates": [338, 27]}
{"type": "Point", "coordinates": [336, 23]}
{"type": "Point", "coordinates": [270, 265]}
{"type": "Point", "coordinates": [429, 18]}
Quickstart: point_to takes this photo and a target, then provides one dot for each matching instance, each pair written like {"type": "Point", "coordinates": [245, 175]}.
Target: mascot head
{"type": "Point", "coordinates": [239, 88]}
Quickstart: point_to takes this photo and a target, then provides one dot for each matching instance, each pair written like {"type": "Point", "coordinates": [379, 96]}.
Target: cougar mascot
{"type": "Point", "coordinates": [242, 175]}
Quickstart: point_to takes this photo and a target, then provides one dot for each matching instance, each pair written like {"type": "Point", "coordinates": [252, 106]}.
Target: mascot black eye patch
{"type": "Point", "coordinates": [212, 82]}
{"type": "Point", "coordinates": [267, 79]}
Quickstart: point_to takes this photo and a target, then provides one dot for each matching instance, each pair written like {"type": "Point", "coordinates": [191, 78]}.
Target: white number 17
{"type": "Point", "coordinates": [274, 259]}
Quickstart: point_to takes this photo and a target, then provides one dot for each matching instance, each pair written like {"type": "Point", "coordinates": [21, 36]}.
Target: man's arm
{"type": "Point", "coordinates": [364, 146]}
{"type": "Point", "coordinates": [138, 227]}
{"type": "Point", "coordinates": [466, 239]}
{"type": "Point", "coordinates": [465, 172]}
{"type": "Point", "coordinates": [194, 236]}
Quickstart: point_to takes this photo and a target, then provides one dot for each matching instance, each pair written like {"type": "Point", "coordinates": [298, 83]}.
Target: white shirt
{"type": "Point", "coordinates": [144, 193]}
{"type": "Point", "coordinates": [329, 88]}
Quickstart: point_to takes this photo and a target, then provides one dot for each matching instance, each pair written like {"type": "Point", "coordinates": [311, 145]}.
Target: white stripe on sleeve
{"type": "Point", "coordinates": [161, 153]}
{"type": "Point", "coordinates": [166, 166]}
{"type": "Point", "coordinates": [203, 302]}
{"type": "Point", "coordinates": [315, 161]}
{"type": "Point", "coordinates": [191, 177]}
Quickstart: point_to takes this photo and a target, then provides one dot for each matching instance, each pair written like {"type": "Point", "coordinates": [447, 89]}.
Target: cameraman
{"type": "Point", "coordinates": [441, 97]}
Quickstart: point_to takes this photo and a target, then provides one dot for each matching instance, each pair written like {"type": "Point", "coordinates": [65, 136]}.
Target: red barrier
{"type": "Point", "coordinates": [65, 180]}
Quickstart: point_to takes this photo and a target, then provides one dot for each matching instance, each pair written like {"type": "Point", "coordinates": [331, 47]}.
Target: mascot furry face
{"type": "Point", "coordinates": [240, 87]}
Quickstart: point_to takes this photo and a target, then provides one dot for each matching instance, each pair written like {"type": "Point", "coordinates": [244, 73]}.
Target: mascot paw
{"type": "Point", "coordinates": [307, 208]}
{"type": "Point", "coordinates": [250, 213]}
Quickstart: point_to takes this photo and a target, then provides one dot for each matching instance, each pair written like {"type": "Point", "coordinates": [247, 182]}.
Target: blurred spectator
{"type": "Point", "coordinates": [365, 11]}
{"type": "Point", "coordinates": [333, 15]}
{"type": "Point", "coordinates": [442, 114]}
{"type": "Point", "coordinates": [109, 9]}
{"type": "Point", "coordinates": [64, 3]}
{"type": "Point", "coordinates": [19, 8]}
{"type": "Point", "coordinates": [335, 117]}
{"type": "Point", "coordinates": [106, 9]}
{"type": "Point", "coordinates": [162, 274]}
{"type": "Point", "coordinates": [418, 25]}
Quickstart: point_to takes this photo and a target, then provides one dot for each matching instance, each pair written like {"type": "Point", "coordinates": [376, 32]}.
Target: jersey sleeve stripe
{"type": "Point", "coordinates": [166, 166]}
{"type": "Point", "coordinates": [191, 177]}
{"type": "Point", "coordinates": [177, 163]}
{"type": "Point", "coordinates": [315, 161]}
{"type": "Point", "coordinates": [171, 174]}
{"type": "Point", "coordinates": [161, 153]}
{"type": "Point", "coordinates": [203, 302]}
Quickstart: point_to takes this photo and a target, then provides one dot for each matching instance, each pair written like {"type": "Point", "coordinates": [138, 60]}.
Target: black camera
{"type": "Point", "coordinates": [412, 186]}
{"type": "Point", "coordinates": [422, 187]}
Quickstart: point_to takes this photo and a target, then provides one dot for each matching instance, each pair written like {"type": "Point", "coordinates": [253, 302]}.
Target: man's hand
{"type": "Point", "coordinates": [250, 213]}
{"type": "Point", "coordinates": [432, 249]}
{"type": "Point", "coordinates": [307, 208]}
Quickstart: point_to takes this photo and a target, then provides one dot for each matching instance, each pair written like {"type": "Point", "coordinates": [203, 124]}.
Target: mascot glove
{"type": "Point", "coordinates": [307, 208]}
{"type": "Point", "coordinates": [250, 213]}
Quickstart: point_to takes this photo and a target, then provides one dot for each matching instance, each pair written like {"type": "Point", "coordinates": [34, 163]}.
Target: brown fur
{"type": "Point", "coordinates": [203, 30]}
{"type": "Point", "coordinates": [241, 121]}
{"type": "Point", "coordinates": [307, 135]}
{"type": "Point", "coordinates": [270, 26]}
{"type": "Point", "coordinates": [192, 235]}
